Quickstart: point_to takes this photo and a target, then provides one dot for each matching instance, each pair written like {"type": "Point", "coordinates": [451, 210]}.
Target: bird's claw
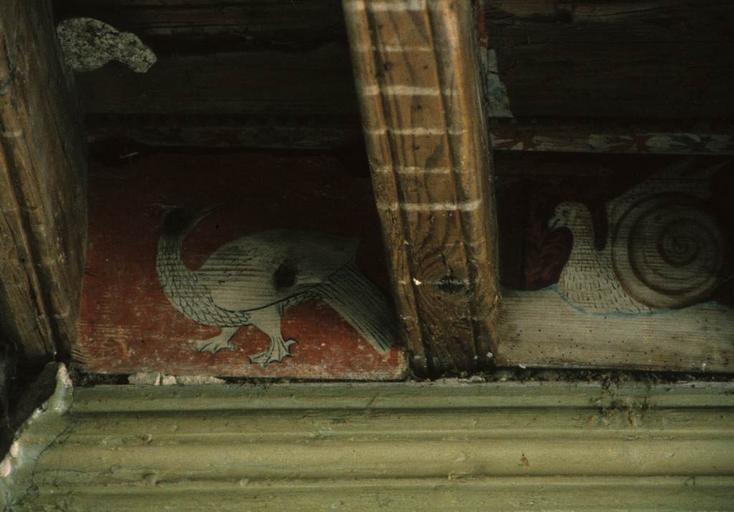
{"type": "Point", "coordinates": [213, 345]}
{"type": "Point", "coordinates": [276, 352]}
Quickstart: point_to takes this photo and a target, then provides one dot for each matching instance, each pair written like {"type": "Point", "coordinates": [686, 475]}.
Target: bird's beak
{"type": "Point", "coordinates": [553, 222]}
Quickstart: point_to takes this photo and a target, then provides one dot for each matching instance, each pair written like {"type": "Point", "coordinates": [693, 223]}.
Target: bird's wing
{"type": "Point", "coordinates": [244, 274]}
{"type": "Point", "coordinates": [237, 278]}
{"type": "Point", "coordinates": [362, 305]}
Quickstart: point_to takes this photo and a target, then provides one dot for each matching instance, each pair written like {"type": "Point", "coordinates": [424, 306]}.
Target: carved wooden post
{"type": "Point", "coordinates": [417, 76]}
{"type": "Point", "coordinates": [42, 206]}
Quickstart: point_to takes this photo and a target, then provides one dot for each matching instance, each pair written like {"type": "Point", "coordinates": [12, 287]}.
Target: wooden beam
{"type": "Point", "coordinates": [416, 70]}
{"type": "Point", "coordinates": [562, 63]}
{"type": "Point", "coordinates": [283, 130]}
{"type": "Point", "coordinates": [42, 203]}
{"type": "Point", "coordinates": [494, 446]}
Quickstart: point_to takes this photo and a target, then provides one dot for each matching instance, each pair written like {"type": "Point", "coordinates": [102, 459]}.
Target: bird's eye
{"type": "Point", "coordinates": [284, 276]}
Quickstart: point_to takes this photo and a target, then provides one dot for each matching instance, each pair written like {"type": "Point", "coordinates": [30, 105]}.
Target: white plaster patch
{"type": "Point", "coordinates": [89, 44]}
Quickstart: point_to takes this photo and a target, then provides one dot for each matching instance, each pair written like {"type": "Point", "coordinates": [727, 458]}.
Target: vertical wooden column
{"type": "Point", "coordinates": [42, 202]}
{"type": "Point", "coordinates": [418, 80]}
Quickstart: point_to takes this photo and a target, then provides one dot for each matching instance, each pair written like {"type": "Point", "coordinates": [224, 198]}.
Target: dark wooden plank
{"type": "Point", "coordinates": [557, 135]}
{"type": "Point", "coordinates": [42, 168]}
{"type": "Point", "coordinates": [245, 83]}
{"type": "Point", "coordinates": [416, 70]}
{"type": "Point", "coordinates": [281, 130]}
{"type": "Point", "coordinates": [237, 99]}
{"type": "Point", "coordinates": [656, 59]}
{"type": "Point", "coordinates": [207, 26]}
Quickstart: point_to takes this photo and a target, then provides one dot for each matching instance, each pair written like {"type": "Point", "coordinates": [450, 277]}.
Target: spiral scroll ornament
{"type": "Point", "coordinates": [669, 251]}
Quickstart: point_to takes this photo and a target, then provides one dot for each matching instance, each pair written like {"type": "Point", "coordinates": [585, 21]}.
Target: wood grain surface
{"type": "Point", "coordinates": [416, 70]}
{"type": "Point", "coordinates": [42, 172]}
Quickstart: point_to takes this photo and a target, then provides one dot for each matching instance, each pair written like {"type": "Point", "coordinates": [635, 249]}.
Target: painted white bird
{"type": "Point", "coordinates": [254, 279]}
{"type": "Point", "coordinates": [665, 249]}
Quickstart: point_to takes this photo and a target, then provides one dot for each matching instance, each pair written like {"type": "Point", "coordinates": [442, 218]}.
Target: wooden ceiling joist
{"type": "Point", "coordinates": [416, 70]}
{"type": "Point", "coordinates": [42, 212]}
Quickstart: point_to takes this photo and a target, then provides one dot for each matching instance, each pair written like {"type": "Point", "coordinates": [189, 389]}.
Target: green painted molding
{"type": "Point", "coordinates": [396, 446]}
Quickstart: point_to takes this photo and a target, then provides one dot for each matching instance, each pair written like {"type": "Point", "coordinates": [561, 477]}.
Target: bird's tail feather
{"type": "Point", "coordinates": [362, 305]}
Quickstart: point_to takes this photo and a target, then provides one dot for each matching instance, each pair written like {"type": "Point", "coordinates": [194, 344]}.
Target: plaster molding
{"type": "Point", "coordinates": [436, 446]}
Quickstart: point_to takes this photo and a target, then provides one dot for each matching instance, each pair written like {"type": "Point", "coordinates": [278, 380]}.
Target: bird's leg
{"type": "Point", "coordinates": [216, 343]}
{"type": "Point", "coordinates": [268, 321]}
